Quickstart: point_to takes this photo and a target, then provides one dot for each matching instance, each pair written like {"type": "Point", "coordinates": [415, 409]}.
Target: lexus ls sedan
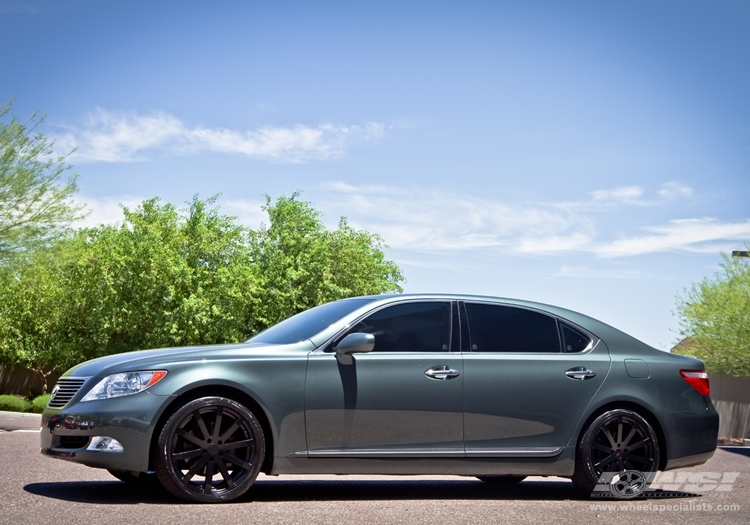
{"type": "Point", "coordinates": [494, 388]}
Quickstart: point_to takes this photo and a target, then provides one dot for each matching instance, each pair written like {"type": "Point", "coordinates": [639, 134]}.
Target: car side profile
{"type": "Point", "coordinates": [494, 388]}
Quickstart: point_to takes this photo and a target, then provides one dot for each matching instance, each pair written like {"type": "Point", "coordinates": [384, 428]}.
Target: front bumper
{"type": "Point", "coordinates": [67, 432]}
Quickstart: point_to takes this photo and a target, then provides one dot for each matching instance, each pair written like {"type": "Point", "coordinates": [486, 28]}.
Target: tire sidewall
{"type": "Point", "coordinates": [165, 469]}
{"type": "Point", "coordinates": [585, 476]}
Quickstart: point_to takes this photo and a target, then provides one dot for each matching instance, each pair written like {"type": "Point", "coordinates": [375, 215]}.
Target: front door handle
{"type": "Point", "coordinates": [441, 372]}
{"type": "Point", "coordinates": [580, 372]}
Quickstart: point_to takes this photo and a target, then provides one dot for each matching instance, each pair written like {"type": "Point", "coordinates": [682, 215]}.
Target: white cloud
{"type": "Point", "coordinates": [673, 190]}
{"type": "Point", "coordinates": [636, 195]}
{"type": "Point", "coordinates": [111, 137]}
{"type": "Point", "coordinates": [419, 220]}
{"type": "Point", "coordinates": [105, 210]}
{"type": "Point", "coordinates": [693, 235]}
{"type": "Point", "coordinates": [624, 194]}
{"type": "Point", "coordinates": [587, 272]}
{"type": "Point", "coordinates": [431, 220]}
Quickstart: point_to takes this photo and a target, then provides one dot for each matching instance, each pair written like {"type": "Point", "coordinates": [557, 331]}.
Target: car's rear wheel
{"type": "Point", "coordinates": [209, 450]}
{"type": "Point", "coordinates": [616, 441]}
{"type": "Point", "coordinates": [502, 480]}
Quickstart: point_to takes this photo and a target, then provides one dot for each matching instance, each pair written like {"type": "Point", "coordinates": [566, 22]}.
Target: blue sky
{"type": "Point", "coordinates": [592, 155]}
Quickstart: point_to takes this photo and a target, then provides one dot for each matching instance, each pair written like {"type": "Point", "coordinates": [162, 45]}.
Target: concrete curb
{"type": "Point", "coordinates": [10, 421]}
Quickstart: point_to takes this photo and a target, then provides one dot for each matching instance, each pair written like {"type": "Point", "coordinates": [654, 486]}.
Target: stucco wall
{"type": "Point", "coordinates": [731, 396]}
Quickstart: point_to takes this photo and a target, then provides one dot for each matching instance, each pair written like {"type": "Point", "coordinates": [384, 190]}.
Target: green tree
{"type": "Point", "coordinates": [303, 264]}
{"type": "Point", "coordinates": [35, 201]}
{"type": "Point", "coordinates": [165, 277]}
{"type": "Point", "coordinates": [31, 299]}
{"type": "Point", "coordinates": [174, 277]}
{"type": "Point", "coordinates": [715, 319]}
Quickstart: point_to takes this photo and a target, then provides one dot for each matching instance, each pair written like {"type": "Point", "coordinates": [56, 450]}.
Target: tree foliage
{"type": "Point", "coordinates": [173, 277]}
{"type": "Point", "coordinates": [35, 201]}
{"type": "Point", "coordinates": [715, 319]}
{"type": "Point", "coordinates": [303, 264]}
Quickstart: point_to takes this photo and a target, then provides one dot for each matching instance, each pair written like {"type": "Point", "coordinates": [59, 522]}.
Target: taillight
{"type": "Point", "coordinates": [698, 379]}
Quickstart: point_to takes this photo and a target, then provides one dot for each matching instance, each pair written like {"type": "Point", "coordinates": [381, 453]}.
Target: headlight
{"type": "Point", "coordinates": [124, 384]}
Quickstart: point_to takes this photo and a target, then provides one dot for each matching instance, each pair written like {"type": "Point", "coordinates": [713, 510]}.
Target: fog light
{"type": "Point", "coordinates": [105, 444]}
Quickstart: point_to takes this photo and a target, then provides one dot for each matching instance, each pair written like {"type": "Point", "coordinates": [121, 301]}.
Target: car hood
{"type": "Point", "coordinates": [145, 359]}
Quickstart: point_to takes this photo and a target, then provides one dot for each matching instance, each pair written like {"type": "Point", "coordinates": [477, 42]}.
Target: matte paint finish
{"type": "Point", "coordinates": [384, 401]}
{"type": "Point", "coordinates": [514, 400]}
{"type": "Point", "coordinates": [383, 415]}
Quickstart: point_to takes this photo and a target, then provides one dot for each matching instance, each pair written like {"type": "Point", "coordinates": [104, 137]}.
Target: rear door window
{"type": "Point", "coordinates": [499, 328]}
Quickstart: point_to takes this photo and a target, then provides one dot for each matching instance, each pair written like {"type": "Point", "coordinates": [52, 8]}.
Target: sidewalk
{"type": "Point", "coordinates": [10, 421]}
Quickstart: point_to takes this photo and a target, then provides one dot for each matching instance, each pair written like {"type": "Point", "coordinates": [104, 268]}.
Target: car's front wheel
{"type": "Point", "coordinates": [617, 441]}
{"type": "Point", "coordinates": [209, 450]}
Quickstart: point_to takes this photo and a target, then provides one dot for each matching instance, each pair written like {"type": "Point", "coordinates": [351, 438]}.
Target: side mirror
{"type": "Point", "coordinates": [355, 343]}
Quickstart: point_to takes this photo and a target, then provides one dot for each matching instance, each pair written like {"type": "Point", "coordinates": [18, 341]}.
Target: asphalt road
{"type": "Point", "coordinates": [39, 490]}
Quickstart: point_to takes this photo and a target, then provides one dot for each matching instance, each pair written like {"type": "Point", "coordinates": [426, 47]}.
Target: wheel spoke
{"type": "Point", "coordinates": [187, 454]}
{"type": "Point", "coordinates": [629, 437]}
{"type": "Point", "coordinates": [208, 482]}
{"type": "Point", "coordinates": [231, 458]}
{"type": "Point", "coordinates": [190, 437]}
{"type": "Point", "coordinates": [639, 444]}
{"type": "Point", "coordinates": [201, 424]}
{"type": "Point", "coordinates": [217, 424]}
{"type": "Point", "coordinates": [237, 444]}
{"type": "Point", "coordinates": [606, 461]}
{"type": "Point", "coordinates": [603, 448]}
{"type": "Point", "coordinates": [225, 473]}
{"type": "Point", "coordinates": [231, 430]}
{"type": "Point", "coordinates": [195, 468]}
{"type": "Point", "coordinates": [619, 430]}
{"type": "Point", "coordinates": [609, 437]}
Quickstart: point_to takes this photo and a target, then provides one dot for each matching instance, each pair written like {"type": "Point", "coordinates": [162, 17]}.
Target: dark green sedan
{"type": "Point", "coordinates": [398, 384]}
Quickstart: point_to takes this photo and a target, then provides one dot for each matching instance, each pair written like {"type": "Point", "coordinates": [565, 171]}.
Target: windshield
{"type": "Point", "coordinates": [306, 324]}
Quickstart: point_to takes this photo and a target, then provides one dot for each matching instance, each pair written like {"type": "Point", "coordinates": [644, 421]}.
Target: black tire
{"type": "Point", "coordinates": [209, 450]}
{"type": "Point", "coordinates": [134, 478]}
{"type": "Point", "coordinates": [505, 481]}
{"type": "Point", "coordinates": [616, 441]}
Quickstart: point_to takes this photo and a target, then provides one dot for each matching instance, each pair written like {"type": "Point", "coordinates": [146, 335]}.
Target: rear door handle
{"type": "Point", "coordinates": [580, 372]}
{"type": "Point", "coordinates": [441, 372]}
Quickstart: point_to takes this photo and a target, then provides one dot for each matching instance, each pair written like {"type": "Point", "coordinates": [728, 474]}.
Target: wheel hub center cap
{"type": "Point", "coordinates": [213, 450]}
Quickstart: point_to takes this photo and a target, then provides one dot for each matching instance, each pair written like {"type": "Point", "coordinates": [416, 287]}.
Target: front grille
{"type": "Point", "coordinates": [73, 441]}
{"type": "Point", "coordinates": [64, 392]}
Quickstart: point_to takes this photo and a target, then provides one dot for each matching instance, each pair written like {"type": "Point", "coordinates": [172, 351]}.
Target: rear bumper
{"type": "Point", "coordinates": [692, 436]}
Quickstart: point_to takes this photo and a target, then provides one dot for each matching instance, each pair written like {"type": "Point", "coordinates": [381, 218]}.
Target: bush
{"type": "Point", "coordinates": [14, 404]}
{"type": "Point", "coordinates": [40, 403]}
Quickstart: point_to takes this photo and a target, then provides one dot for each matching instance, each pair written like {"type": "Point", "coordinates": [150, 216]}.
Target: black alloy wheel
{"type": "Point", "coordinates": [617, 441]}
{"type": "Point", "coordinates": [505, 481]}
{"type": "Point", "coordinates": [210, 450]}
